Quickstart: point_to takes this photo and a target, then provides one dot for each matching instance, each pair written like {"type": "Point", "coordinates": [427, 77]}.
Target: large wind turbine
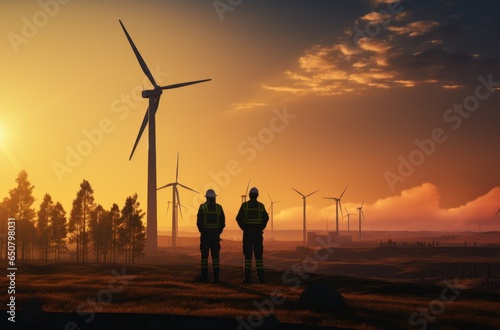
{"type": "Point", "coordinates": [337, 203]}
{"type": "Point", "coordinates": [348, 215]}
{"type": "Point", "coordinates": [304, 211]}
{"type": "Point", "coordinates": [176, 201]}
{"type": "Point", "coordinates": [272, 215]}
{"type": "Point", "coordinates": [360, 211]}
{"type": "Point", "coordinates": [153, 95]}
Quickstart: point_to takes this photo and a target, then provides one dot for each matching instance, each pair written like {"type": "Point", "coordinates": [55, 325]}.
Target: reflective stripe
{"type": "Point", "coordinates": [248, 263]}
{"type": "Point", "coordinates": [215, 263]}
{"type": "Point", "coordinates": [259, 264]}
{"type": "Point", "coordinates": [206, 212]}
{"type": "Point", "coordinates": [256, 214]}
{"type": "Point", "coordinates": [204, 263]}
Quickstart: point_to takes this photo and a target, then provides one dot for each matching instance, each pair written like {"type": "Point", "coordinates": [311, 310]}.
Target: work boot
{"type": "Point", "coordinates": [216, 271]}
{"type": "Point", "coordinates": [260, 276]}
{"type": "Point", "coordinates": [246, 279]}
{"type": "Point", "coordinates": [204, 275]}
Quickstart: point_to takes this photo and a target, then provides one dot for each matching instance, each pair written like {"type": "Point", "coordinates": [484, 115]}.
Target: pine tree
{"type": "Point", "coordinates": [100, 231]}
{"type": "Point", "coordinates": [4, 217]}
{"type": "Point", "coordinates": [132, 231]}
{"type": "Point", "coordinates": [58, 228]}
{"type": "Point", "coordinates": [83, 205]}
{"type": "Point", "coordinates": [42, 225]}
{"type": "Point", "coordinates": [20, 207]}
{"type": "Point", "coordinates": [116, 222]}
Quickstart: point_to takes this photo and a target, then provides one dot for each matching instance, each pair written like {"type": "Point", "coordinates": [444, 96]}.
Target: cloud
{"type": "Point", "coordinates": [376, 17]}
{"type": "Point", "coordinates": [414, 29]}
{"type": "Point", "coordinates": [414, 209]}
{"type": "Point", "coordinates": [381, 51]}
{"type": "Point", "coordinates": [247, 106]}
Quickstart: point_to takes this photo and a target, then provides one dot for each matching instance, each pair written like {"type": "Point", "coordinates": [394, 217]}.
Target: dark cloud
{"type": "Point", "coordinates": [421, 42]}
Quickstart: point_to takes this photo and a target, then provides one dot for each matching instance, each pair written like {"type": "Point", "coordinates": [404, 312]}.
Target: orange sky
{"type": "Point", "coordinates": [299, 98]}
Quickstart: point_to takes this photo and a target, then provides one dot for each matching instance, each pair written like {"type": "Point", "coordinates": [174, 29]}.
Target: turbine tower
{"type": "Point", "coordinates": [244, 196]}
{"type": "Point", "coordinates": [360, 211]}
{"type": "Point", "coordinates": [272, 215]}
{"type": "Point", "coordinates": [337, 203]}
{"type": "Point", "coordinates": [153, 95]}
{"type": "Point", "coordinates": [304, 212]}
{"type": "Point", "coordinates": [176, 201]}
{"type": "Point", "coordinates": [348, 215]}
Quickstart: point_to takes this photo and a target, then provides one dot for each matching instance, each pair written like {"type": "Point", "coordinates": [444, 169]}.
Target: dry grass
{"type": "Point", "coordinates": [170, 288]}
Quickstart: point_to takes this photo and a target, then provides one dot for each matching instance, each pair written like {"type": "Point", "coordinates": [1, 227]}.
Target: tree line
{"type": "Point", "coordinates": [94, 233]}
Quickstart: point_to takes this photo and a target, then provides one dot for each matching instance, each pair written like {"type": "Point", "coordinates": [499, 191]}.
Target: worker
{"type": "Point", "coordinates": [211, 222]}
{"type": "Point", "coordinates": [252, 218]}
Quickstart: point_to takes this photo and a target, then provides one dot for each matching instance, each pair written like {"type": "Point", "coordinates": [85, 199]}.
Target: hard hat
{"type": "Point", "coordinates": [254, 191]}
{"type": "Point", "coordinates": [210, 193]}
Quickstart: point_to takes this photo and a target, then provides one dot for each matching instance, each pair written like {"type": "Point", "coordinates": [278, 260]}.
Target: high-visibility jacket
{"type": "Point", "coordinates": [210, 216]}
{"type": "Point", "coordinates": [252, 215]}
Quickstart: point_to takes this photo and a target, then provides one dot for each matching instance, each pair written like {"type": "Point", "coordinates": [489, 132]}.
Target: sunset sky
{"type": "Point", "coordinates": [398, 100]}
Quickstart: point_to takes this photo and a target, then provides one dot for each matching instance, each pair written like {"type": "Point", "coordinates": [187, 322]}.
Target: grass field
{"type": "Point", "coordinates": [438, 288]}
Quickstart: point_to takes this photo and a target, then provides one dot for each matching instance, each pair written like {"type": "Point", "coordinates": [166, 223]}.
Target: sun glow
{"type": "Point", "coordinates": [2, 135]}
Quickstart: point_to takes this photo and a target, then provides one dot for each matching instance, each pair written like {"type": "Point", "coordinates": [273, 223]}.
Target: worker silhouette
{"type": "Point", "coordinates": [252, 219]}
{"type": "Point", "coordinates": [211, 222]}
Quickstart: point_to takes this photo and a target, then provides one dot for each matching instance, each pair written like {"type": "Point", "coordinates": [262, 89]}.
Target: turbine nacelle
{"type": "Point", "coordinates": [151, 93]}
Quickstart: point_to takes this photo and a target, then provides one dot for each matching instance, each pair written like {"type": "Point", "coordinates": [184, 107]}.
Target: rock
{"type": "Point", "coordinates": [322, 298]}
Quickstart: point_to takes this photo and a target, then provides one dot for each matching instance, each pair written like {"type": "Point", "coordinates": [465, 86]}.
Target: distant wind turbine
{"type": "Point", "coordinates": [176, 200]}
{"type": "Point", "coordinates": [244, 196]}
{"type": "Point", "coordinates": [360, 211]}
{"type": "Point", "coordinates": [337, 203]}
{"type": "Point", "coordinates": [326, 221]}
{"type": "Point", "coordinates": [154, 99]}
{"type": "Point", "coordinates": [304, 211]}
{"type": "Point", "coordinates": [272, 214]}
{"type": "Point", "coordinates": [168, 207]}
{"type": "Point", "coordinates": [348, 215]}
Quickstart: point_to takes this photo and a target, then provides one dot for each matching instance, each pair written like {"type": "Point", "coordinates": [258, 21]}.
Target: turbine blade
{"type": "Point", "coordinates": [141, 130]}
{"type": "Point", "coordinates": [165, 186]}
{"type": "Point", "coordinates": [312, 193]}
{"type": "Point", "coordinates": [362, 201]}
{"type": "Point", "coordinates": [178, 199]}
{"type": "Point", "coordinates": [343, 192]}
{"type": "Point", "coordinates": [329, 198]}
{"type": "Point", "coordinates": [184, 84]}
{"type": "Point", "coordinates": [143, 125]}
{"type": "Point", "coordinates": [183, 186]}
{"type": "Point", "coordinates": [298, 192]}
{"type": "Point", "coordinates": [248, 186]}
{"type": "Point", "coordinates": [144, 67]}
{"type": "Point", "coordinates": [270, 198]}
{"type": "Point", "coordinates": [340, 204]}
{"type": "Point", "coordinates": [497, 212]}
{"type": "Point", "coordinates": [177, 168]}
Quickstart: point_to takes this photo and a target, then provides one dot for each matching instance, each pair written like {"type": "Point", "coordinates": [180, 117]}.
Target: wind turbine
{"type": "Point", "coordinates": [272, 214]}
{"type": "Point", "coordinates": [176, 201]}
{"type": "Point", "coordinates": [244, 196]}
{"type": "Point", "coordinates": [338, 202]}
{"type": "Point", "coordinates": [360, 211]}
{"type": "Point", "coordinates": [153, 95]}
{"type": "Point", "coordinates": [348, 215]}
{"type": "Point", "coordinates": [304, 211]}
